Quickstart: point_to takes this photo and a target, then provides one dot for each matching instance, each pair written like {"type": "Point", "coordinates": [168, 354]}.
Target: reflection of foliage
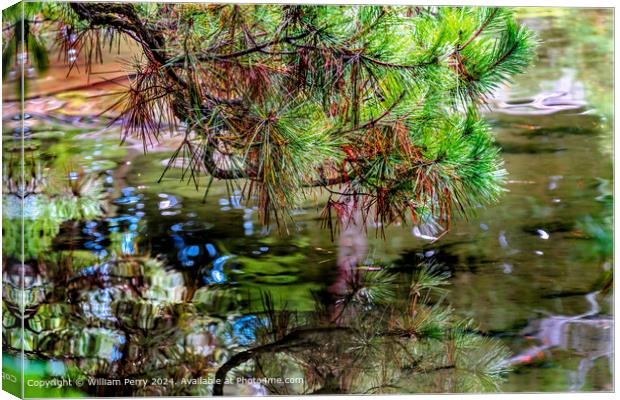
{"type": "Point", "coordinates": [599, 231]}
{"type": "Point", "coordinates": [280, 271]}
{"type": "Point", "coordinates": [424, 282]}
{"type": "Point", "coordinates": [374, 348]}
{"type": "Point", "coordinates": [130, 316]}
{"type": "Point", "coordinates": [125, 316]}
{"type": "Point", "coordinates": [372, 286]}
{"type": "Point", "coordinates": [45, 207]}
{"type": "Point", "coordinates": [583, 43]}
{"type": "Point", "coordinates": [22, 43]}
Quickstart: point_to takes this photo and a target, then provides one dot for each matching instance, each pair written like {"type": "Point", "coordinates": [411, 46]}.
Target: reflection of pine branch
{"type": "Point", "coordinates": [299, 338]}
{"type": "Point", "coordinates": [279, 322]}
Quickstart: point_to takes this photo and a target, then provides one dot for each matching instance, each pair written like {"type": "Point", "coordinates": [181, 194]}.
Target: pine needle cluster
{"type": "Point", "coordinates": [377, 106]}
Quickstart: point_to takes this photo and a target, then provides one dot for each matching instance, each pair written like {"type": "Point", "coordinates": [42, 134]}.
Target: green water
{"type": "Point", "coordinates": [148, 281]}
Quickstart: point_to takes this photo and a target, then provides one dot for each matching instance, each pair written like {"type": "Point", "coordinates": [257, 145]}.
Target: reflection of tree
{"type": "Point", "coordinates": [45, 205]}
{"type": "Point", "coordinates": [586, 333]}
{"type": "Point", "coordinates": [599, 229]}
{"type": "Point", "coordinates": [131, 316]}
{"type": "Point", "coordinates": [127, 316]}
{"type": "Point", "coordinates": [361, 341]}
{"type": "Point", "coordinates": [579, 54]}
{"type": "Point", "coordinates": [374, 347]}
{"type": "Point", "coordinates": [23, 49]}
{"type": "Point", "coordinates": [116, 314]}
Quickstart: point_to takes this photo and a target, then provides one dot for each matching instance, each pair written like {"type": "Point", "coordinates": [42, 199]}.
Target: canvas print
{"type": "Point", "coordinates": [207, 199]}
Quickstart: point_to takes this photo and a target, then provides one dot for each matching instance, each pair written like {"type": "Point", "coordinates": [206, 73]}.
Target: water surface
{"type": "Point", "coordinates": [157, 271]}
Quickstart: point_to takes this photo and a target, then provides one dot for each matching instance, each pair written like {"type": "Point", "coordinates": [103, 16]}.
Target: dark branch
{"type": "Point", "coordinates": [125, 18]}
{"type": "Point", "coordinates": [374, 121]}
{"type": "Point", "coordinates": [259, 47]}
{"type": "Point", "coordinates": [297, 338]}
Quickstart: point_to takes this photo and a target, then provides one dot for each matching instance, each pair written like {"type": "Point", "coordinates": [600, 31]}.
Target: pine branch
{"type": "Point", "coordinates": [278, 95]}
{"type": "Point", "coordinates": [479, 30]}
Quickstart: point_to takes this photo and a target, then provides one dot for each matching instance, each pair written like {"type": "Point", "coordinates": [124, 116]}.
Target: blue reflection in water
{"type": "Point", "coordinates": [116, 354]}
{"type": "Point", "coordinates": [211, 249]}
{"type": "Point", "coordinates": [127, 244]}
{"type": "Point", "coordinates": [127, 197]}
{"type": "Point", "coordinates": [192, 251]}
{"type": "Point", "coordinates": [185, 255]}
{"type": "Point", "coordinates": [126, 223]}
{"type": "Point", "coordinates": [216, 274]}
{"type": "Point", "coordinates": [244, 330]}
{"type": "Point", "coordinates": [219, 263]}
{"type": "Point", "coordinates": [188, 252]}
{"type": "Point", "coordinates": [193, 254]}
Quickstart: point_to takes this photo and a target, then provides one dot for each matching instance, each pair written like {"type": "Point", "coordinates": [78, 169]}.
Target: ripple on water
{"type": "Point", "coordinates": [191, 226]}
{"type": "Point", "coordinates": [127, 197]}
{"type": "Point", "coordinates": [169, 205]}
{"type": "Point", "coordinates": [545, 103]}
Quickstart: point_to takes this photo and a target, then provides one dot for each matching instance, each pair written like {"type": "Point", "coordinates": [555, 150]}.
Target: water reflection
{"type": "Point", "coordinates": [131, 316]}
{"type": "Point", "coordinates": [109, 311]}
{"type": "Point", "coordinates": [124, 277]}
{"type": "Point", "coordinates": [587, 333]}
